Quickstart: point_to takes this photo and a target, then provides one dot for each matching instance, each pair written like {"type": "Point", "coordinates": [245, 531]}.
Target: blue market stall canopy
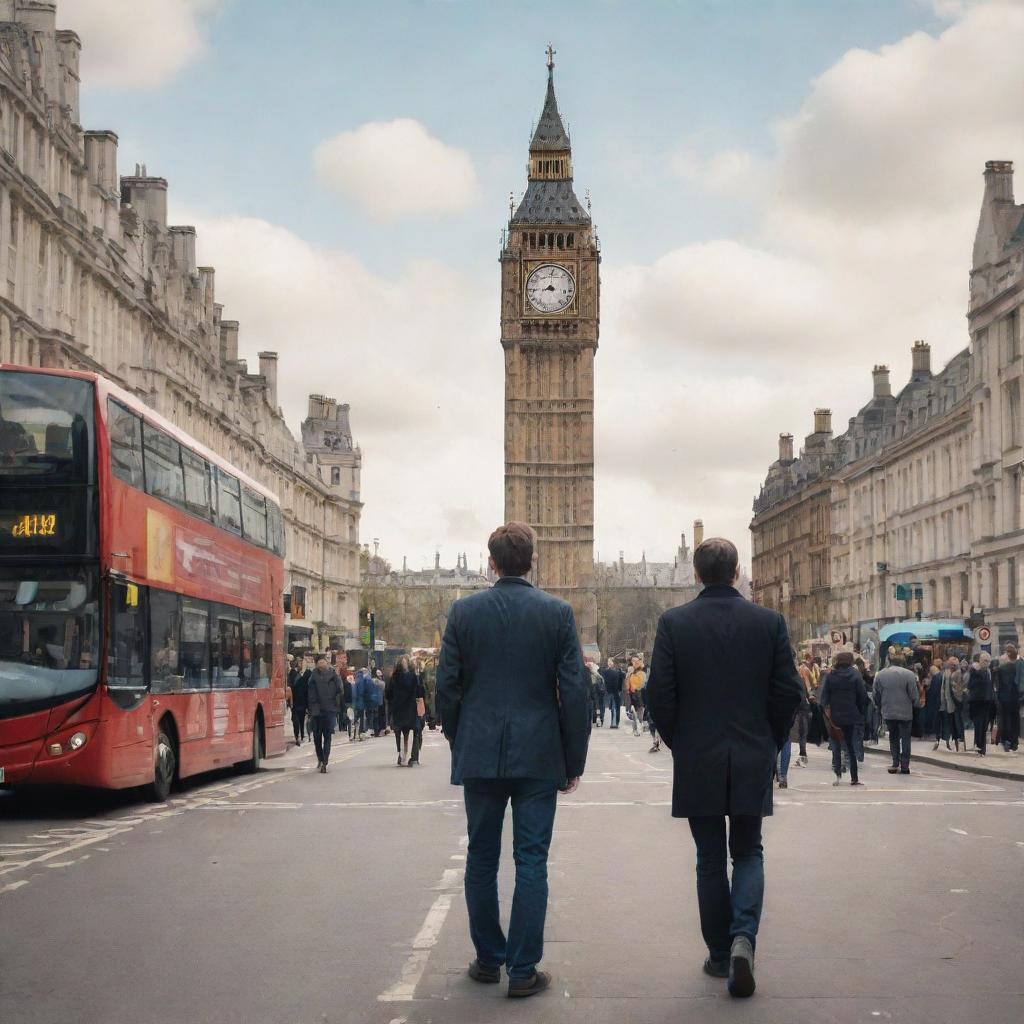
{"type": "Point", "coordinates": [901, 632]}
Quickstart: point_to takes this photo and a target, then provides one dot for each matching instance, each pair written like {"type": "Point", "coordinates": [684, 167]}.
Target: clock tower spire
{"type": "Point", "coordinates": [550, 291]}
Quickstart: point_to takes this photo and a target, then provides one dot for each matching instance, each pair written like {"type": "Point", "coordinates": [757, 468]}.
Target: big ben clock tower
{"type": "Point", "coordinates": [550, 292]}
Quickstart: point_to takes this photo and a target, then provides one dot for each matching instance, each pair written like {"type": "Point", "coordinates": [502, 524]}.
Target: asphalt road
{"type": "Point", "coordinates": [295, 898]}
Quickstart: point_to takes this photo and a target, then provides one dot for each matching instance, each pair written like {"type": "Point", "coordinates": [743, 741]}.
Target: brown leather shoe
{"type": "Point", "coordinates": [519, 989]}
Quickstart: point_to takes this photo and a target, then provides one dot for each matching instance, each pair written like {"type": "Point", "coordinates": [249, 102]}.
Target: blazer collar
{"type": "Point", "coordinates": [720, 590]}
{"type": "Point", "coordinates": [513, 580]}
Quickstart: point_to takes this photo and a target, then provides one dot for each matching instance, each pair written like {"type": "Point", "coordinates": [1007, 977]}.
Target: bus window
{"type": "Point", "coordinates": [229, 506]}
{"type": "Point", "coordinates": [126, 658]}
{"type": "Point", "coordinates": [195, 644]}
{"type": "Point", "coordinates": [262, 651]}
{"type": "Point", "coordinates": [45, 428]}
{"type": "Point", "coordinates": [197, 483]}
{"type": "Point", "coordinates": [125, 430]}
{"type": "Point", "coordinates": [225, 647]}
{"type": "Point", "coordinates": [162, 454]}
{"type": "Point", "coordinates": [254, 517]}
{"type": "Point", "coordinates": [164, 635]}
{"type": "Point", "coordinates": [275, 529]}
{"type": "Point", "coordinates": [245, 666]}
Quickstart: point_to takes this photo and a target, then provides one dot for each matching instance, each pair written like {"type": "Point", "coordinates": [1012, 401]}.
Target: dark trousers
{"type": "Point", "coordinates": [725, 913]}
{"type": "Point", "coordinates": [1009, 724]}
{"type": "Point", "coordinates": [599, 702]}
{"type": "Point", "coordinates": [614, 708]}
{"type": "Point", "coordinates": [299, 723]}
{"type": "Point", "coordinates": [849, 741]}
{"type": "Point", "coordinates": [402, 736]}
{"type": "Point", "coordinates": [533, 818]}
{"type": "Point", "coordinates": [899, 742]}
{"type": "Point", "coordinates": [322, 727]}
{"type": "Point", "coordinates": [980, 710]}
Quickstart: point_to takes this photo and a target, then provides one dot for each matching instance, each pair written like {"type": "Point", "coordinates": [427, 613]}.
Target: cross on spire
{"type": "Point", "coordinates": [551, 51]}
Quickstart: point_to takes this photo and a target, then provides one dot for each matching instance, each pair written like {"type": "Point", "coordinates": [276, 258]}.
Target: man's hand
{"type": "Point", "coordinates": [571, 786]}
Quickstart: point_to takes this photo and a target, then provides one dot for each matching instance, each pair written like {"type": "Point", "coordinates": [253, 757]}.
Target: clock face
{"type": "Point", "coordinates": [550, 288]}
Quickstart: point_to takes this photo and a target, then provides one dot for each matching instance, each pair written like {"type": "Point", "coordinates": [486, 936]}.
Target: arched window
{"type": "Point", "coordinates": [560, 241]}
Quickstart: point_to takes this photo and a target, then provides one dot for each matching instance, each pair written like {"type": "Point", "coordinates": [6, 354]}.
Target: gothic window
{"type": "Point", "coordinates": [533, 240]}
{"type": "Point", "coordinates": [560, 241]}
{"type": "Point", "coordinates": [570, 240]}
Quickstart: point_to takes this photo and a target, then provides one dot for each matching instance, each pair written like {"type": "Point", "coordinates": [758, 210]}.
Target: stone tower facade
{"type": "Point", "coordinates": [550, 291]}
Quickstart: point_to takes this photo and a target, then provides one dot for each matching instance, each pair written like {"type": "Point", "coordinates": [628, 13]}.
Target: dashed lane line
{"type": "Point", "coordinates": [60, 842]}
{"type": "Point", "coordinates": [404, 990]}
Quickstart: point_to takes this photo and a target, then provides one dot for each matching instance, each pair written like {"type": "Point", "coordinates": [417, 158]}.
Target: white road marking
{"type": "Point", "coordinates": [958, 831]}
{"type": "Point", "coordinates": [11, 886]}
{"type": "Point", "coordinates": [404, 990]}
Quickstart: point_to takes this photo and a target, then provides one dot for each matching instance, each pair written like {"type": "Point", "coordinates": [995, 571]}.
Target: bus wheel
{"type": "Point", "coordinates": [163, 769]}
{"type": "Point", "coordinates": [253, 764]}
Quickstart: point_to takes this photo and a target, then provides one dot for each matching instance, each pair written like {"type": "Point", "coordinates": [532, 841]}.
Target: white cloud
{"type": "Point", "coordinates": [136, 45]}
{"type": "Point", "coordinates": [416, 356]}
{"type": "Point", "coordinates": [397, 169]}
{"type": "Point", "coordinates": [861, 243]}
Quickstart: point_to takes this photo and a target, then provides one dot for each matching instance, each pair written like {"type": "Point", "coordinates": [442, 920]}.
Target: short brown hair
{"type": "Point", "coordinates": [511, 547]}
{"type": "Point", "coordinates": [844, 659]}
{"type": "Point", "coordinates": [715, 562]}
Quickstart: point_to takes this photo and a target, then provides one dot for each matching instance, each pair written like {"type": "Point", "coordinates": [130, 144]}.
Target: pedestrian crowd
{"type": "Point", "coordinates": [362, 704]}
{"type": "Point", "coordinates": [610, 686]}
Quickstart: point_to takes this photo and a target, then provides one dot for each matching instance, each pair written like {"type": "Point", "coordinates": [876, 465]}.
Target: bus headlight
{"type": "Point", "coordinates": [77, 740]}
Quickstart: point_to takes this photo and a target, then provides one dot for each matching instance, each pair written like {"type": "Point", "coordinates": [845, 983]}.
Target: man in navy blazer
{"type": "Point", "coordinates": [512, 696]}
{"type": "Point", "coordinates": [723, 692]}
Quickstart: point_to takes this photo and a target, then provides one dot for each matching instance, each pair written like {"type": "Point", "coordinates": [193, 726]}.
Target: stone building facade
{"type": "Point", "coordinates": [94, 278]}
{"type": "Point", "coordinates": [924, 488]}
{"type": "Point", "coordinates": [549, 331]}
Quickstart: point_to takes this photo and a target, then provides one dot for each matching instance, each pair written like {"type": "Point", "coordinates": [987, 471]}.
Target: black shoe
{"type": "Point", "coordinates": [319, 765]}
{"type": "Point", "coordinates": [904, 771]}
{"type": "Point", "coordinates": [741, 968]}
{"type": "Point", "coordinates": [893, 770]}
{"type": "Point", "coordinates": [401, 762]}
{"type": "Point", "coordinates": [717, 968]}
{"type": "Point", "coordinates": [414, 761]}
{"type": "Point", "coordinates": [323, 768]}
{"type": "Point", "coordinates": [783, 784]}
{"type": "Point", "coordinates": [484, 974]}
{"type": "Point", "coordinates": [530, 986]}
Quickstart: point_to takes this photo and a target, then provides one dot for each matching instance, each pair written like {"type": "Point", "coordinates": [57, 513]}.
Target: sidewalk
{"type": "Point", "coordinates": [996, 763]}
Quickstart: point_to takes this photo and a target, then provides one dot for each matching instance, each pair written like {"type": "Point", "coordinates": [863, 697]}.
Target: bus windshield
{"type": "Point", "coordinates": [45, 427]}
{"type": "Point", "coordinates": [47, 466]}
{"type": "Point", "coordinates": [49, 636]}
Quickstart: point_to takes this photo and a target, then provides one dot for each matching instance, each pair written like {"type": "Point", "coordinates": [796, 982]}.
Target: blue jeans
{"type": "Point", "coordinates": [724, 915]}
{"type": "Point", "coordinates": [323, 730]}
{"type": "Point", "coordinates": [614, 701]}
{"type": "Point", "coordinates": [783, 762]}
{"type": "Point", "coordinates": [533, 818]}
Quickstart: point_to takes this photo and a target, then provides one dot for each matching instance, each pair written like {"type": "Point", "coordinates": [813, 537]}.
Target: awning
{"type": "Point", "coordinates": [901, 632]}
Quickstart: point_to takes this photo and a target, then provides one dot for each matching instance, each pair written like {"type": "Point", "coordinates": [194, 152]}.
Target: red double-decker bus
{"type": "Point", "coordinates": [141, 620]}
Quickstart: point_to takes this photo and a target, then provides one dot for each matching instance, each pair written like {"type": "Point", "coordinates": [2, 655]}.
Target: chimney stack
{"type": "Point", "coordinates": [228, 341]}
{"type": "Point", "coordinates": [823, 421]}
{"type": "Point", "coordinates": [999, 180]}
{"type": "Point", "coordinates": [883, 389]}
{"type": "Point", "coordinates": [147, 196]}
{"type": "Point", "coordinates": [268, 368]}
{"type": "Point", "coordinates": [785, 452]}
{"type": "Point", "coordinates": [698, 532]}
{"type": "Point", "coordinates": [921, 354]}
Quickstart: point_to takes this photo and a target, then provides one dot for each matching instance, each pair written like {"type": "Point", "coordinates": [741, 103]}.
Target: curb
{"type": "Point", "coordinates": [971, 768]}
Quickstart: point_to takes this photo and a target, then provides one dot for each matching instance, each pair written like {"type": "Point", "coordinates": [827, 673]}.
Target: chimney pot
{"type": "Point", "coordinates": [999, 179]}
{"type": "Point", "coordinates": [883, 389]}
{"type": "Point", "coordinates": [785, 455]}
{"type": "Point", "coordinates": [823, 421]}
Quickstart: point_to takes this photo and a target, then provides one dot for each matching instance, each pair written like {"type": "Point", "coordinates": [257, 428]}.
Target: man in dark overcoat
{"type": "Point", "coordinates": [512, 692]}
{"type": "Point", "coordinates": [724, 690]}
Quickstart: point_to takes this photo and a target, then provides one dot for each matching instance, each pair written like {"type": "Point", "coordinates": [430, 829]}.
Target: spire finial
{"type": "Point", "coordinates": [551, 51]}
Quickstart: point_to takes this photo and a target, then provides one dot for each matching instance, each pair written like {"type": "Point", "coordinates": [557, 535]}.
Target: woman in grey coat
{"type": "Point", "coordinates": [951, 706]}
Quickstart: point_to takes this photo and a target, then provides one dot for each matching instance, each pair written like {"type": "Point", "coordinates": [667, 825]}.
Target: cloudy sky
{"type": "Point", "coordinates": [786, 193]}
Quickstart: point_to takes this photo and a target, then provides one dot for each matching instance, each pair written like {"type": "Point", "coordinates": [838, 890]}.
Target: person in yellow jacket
{"type": "Point", "coordinates": [636, 680]}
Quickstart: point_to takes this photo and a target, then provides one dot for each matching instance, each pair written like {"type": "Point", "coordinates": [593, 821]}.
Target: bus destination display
{"type": "Point", "coordinates": [28, 525]}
